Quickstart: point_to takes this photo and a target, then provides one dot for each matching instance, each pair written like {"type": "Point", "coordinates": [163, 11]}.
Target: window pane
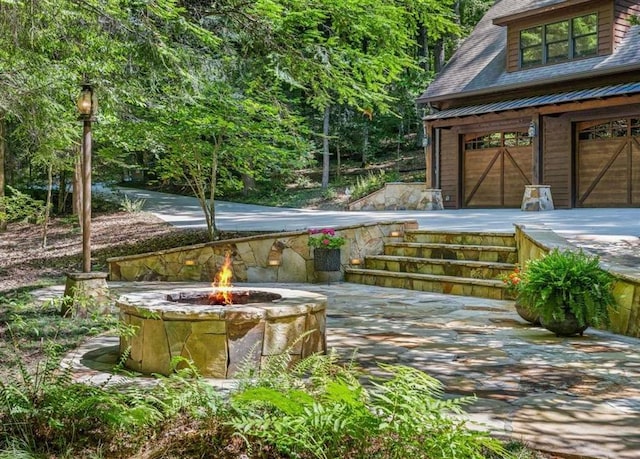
{"type": "Point", "coordinates": [635, 127]}
{"type": "Point", "coordinates": [557, 51]}
{"type": "Point", "coordinates": [510, 139]}
{"type": "Point", "coordinates": [531, 37]}
{"type": "Point", "coordinates": [531, 56]}
{"type": "Point", "coordinates": [556, 32]}
{"type": "Point", "coordinates": [585, 46]}
{"type": "Point", "coordinates": [619, 128]}
{"type": "Point", "coordinates": [585, 25]}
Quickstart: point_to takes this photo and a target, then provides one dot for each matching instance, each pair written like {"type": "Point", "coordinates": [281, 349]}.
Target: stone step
{"type": "Point", "coordinates": [450, 285]}
{"type": "Point", "coordinates": [444, 267]}
{"type": "Point", "coordinates": [488, 253]}
{"type": "Point", "coordinates": [505, 239]}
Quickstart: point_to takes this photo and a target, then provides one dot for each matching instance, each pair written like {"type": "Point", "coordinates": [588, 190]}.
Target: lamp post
{"type": "Point", "coordinates": [87, 106]}
{"type": "Point", "coordinates": [85, 290]}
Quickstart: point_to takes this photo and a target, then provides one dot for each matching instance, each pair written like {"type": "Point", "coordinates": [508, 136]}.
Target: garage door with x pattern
{"type": "Point", "coordinates": [608, 163]}
{"type": "Point", "coordinates": [496, 168]}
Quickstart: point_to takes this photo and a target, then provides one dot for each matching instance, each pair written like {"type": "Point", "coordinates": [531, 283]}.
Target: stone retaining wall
{"type": "Point", "coordinates": [400, 196]}
{"type": "Point", "coordinates": [535, 242]}
{"type": "Point", "coordinates": [275, 257]}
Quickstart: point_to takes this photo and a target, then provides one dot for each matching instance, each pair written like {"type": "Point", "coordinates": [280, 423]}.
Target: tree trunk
{"type": "Point", "coordinates": [325, 148]}
{"type": "Point", "coordinates": [423, 47]}
{"type": "Point", "coordinates": [248, 184]}
{"type": "Point", "coordinates": [439, 55]}
{"type": "Point", "coordinates": [3, 143]}
{"type": "Point", "coordinates": [365, 144]}
{"type": "Point", "coordinates": [47, 206]}
{"type": "Point", "coordinates": [211, 211]}
{"type": "Point", "coordinates": [62, 192]}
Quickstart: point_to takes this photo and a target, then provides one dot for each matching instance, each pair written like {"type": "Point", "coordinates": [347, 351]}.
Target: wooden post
{"type": "Point", "coordinates": [86, 195]}
{"type": "Point", "coordinates": [428, 151]}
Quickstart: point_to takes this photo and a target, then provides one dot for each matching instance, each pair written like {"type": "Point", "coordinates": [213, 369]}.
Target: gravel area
{"type": "Point", "coordinates": [24, 261]}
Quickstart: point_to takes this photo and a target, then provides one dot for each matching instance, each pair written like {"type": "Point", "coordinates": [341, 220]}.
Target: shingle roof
{"type": "Point", "coordinates": [479, 64]}
{"type": "Point", "coordinates": [558, 98]}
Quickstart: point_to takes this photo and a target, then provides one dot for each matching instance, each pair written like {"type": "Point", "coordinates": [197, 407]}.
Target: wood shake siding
{"type": "Point", "coordinates": [624, 9]}
{"type": "Point", "coordinates": [605, 29]}
{"type": "Point", "coordinates": [449, 167]}
{"type": "Point", "coordinates": [556, 162]}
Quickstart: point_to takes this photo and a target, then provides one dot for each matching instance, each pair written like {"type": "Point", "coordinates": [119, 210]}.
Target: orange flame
{"type": "Point", "coordinates": [222, 283]}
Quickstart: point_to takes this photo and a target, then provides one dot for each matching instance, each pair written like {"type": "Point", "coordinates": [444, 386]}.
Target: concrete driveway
{"type": "Point", "coordinates": [185, 212]}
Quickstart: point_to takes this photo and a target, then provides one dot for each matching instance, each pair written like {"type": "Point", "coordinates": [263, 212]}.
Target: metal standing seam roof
{"type": "Point", "coordinates": [547, 99]}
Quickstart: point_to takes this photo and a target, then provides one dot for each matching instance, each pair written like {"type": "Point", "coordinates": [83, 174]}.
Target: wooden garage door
{"type": "Point", "coordinates": [608, 163]}
{"type": "Point", "coordinates": [496, 168]}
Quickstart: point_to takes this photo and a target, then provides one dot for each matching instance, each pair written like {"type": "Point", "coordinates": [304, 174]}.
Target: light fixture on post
{"type": "Point", "coordinates": [533, 129]}
{"type": "Point", "coordinates": [87, 106]}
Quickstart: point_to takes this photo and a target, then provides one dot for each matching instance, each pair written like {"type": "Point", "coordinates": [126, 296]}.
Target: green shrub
{"type": "Point", "coordinates": [366, 185]}
{"type": "Point", "coordinates": [132, 206]}
{"type": "Point", "coordinates": [18, 206]}
{"type": "Point", "coordinates": [322, 410]}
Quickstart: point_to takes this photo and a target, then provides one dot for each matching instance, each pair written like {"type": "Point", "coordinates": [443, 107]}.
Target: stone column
{"type": "Point", "coordinates": [536, 198]}
{"type": "Point", "coordinates": [433, 199]}
{"type": "Point", "coordinates": [85, 292]}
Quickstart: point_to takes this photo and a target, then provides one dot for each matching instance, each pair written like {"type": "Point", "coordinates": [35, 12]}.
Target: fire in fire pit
{"type": "Point", "coordinates": [222, 293]}
{"type": "Point", "coordinates": [233, 296]}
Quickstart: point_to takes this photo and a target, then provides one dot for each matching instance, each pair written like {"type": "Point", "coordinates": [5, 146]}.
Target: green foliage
{"type": "Point", "coordinates": [320, 409]}
{"type": "Point", "coordinates": [132, 206]}
{"type": "Point", "coordinates": [19, 206]}
{"type": "Point", "coordinates": [566, 280]}
{"type": "Point", "coordinates": [366, 185]}
{"type": "Point", "coordinates": [45, 411]}
{"type": "Point", "coordinates": [325, 238]}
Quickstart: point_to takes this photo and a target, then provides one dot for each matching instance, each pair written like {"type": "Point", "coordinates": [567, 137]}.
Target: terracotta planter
{"type": "Point", "coordinates": [567, 327]}
{"type": "Point", "coordinates": [326, 259]}
{"type": "Point", "coordinates": [526, 313]}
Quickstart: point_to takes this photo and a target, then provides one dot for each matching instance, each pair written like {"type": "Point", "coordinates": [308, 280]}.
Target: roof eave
{"type": "Point", "coordinates": [560, 79]}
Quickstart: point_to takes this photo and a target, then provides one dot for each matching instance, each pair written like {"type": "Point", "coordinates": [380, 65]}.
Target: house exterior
{"type": "Point", "coordinates": [543, 92]}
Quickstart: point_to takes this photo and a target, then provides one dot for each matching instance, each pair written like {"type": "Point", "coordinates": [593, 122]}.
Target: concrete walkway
{"type": "Point", "coordinates": [578, 397]}
{"type": "Point", "coordinates": [185, 212]}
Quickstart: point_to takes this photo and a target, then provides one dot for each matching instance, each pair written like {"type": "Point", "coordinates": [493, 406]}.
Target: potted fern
{"type": "Point", "coordinates": [569, 291]}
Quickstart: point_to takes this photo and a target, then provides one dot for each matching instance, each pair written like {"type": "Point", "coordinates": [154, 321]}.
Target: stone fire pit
{"type": "Point", "coordinates": [220, 339]}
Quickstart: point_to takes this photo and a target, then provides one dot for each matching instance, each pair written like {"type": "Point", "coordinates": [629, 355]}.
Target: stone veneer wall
{"type": "Point", "coordinates": [275, 257]}
{"type": "Point", "coordinates": [400, 196]}
{"type": "Point", "coordinates": [535, 242]}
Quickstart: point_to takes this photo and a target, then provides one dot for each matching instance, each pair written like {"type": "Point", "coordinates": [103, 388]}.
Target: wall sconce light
{"type": "Point", "coordinates": [533, 129]}
{"type": "Point", "coordinates": [275, 254]}
{"type": "Point", "coordinates": [189, 262]}
{"type": "Point", "coordinates": [355, 261]}
{"type": "Point", "coordinates": [395, 233]}
{"type": "Point", "coordinates": [426, 141]}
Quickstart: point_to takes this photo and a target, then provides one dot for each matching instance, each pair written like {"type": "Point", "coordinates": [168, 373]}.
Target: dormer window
{"type": "Point", "coordinates": [559, 41]}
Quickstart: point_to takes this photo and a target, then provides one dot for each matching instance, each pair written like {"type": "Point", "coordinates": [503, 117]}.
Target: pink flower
{"type": "Point", "coordinates": [326, 241]}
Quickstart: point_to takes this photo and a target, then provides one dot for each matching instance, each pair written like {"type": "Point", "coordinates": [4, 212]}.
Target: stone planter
{"type": "Point", "coordinates": [567, 327]}
{"type": "Point", "coordinates": [326, 259]}
{"type": "Point", "coordinates": [526, 313]}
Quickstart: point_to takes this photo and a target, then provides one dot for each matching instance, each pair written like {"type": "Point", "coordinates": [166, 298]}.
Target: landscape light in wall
{"type": "Point", "coordinates": [274, 258]}
{"type": "Point", "coordinates": [395, 233]}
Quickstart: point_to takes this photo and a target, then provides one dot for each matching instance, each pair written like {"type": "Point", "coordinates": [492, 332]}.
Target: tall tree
{"type": "Point", "coordinates": [337, 52]}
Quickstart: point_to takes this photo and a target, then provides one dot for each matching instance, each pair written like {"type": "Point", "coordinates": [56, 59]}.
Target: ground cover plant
{"type": "Point", "coordinates": [319, 408]}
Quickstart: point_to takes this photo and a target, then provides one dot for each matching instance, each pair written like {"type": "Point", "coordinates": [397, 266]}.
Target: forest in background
{"type": "Point", "coordinates": [215, 96]}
